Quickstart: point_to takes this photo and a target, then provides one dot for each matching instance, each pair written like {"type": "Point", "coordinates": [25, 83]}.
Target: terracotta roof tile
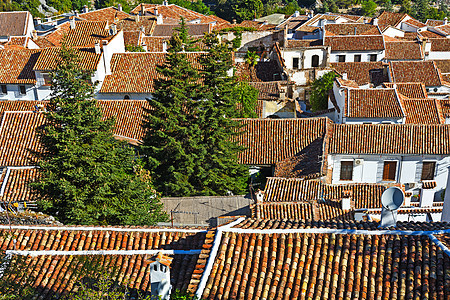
{"type": "Point", "coordinates": [373, 103]}
{"type": "Point", "coordinates": [440, 45]}
{"type": "Point", "coordinates": [444, 238]}
{"type": "Point", "coordinates": [322, 266]}
{"type": "Point", "coordinates": [86, 33]}
{"type": "Point", "coordinates": [49, 59]}
{"type": "Point", "coordinates": [390, 139]}
{"type": "Point", "coordinates": [109, 14]}
{"type": "Point", "coordinates": [268, 141]}
{"type": "Point", "coordinates": [269, 91]}
{"type": "Point", "coordinates": [14, 23]}
{"type": "Point", "coordinates": [431, 22]}
{"type": "Point", "coordinates": [363, 72]}
{"type": "Point", "coordinates": [415, 71]}
{"type": "Point", "coordinates": [18, 141]}
{"type": "Point", "coordinates": [367, 195]}
{"type": "Point", "coordinates": [430, 34]}
{"type": "Point", "coordinates": [403, 50]}
{"type": "Point", "coordinates": [130, 269]}
{"type": "Point", "coordinates": [164, 30]}
{"type": "Point", "coordinates": [415, 23]}
{"type": "Point", "coordinates": [445, 107]}
{"type": "Point", "coordinates": [133, 38]}
{"type": "Point", "coordinates": [135, 72]}
{"type": "Point", "coordinates": [444, 28]}
{"type": "Point", "coordinates": [16, 66]}
{"type": "Point", "coordinates": [355, 43]}
{"type": "Point", "coordinates": [351, 29]}
{"type": "Point", "coordinates": [423, 111]}
{"type": "Point", "coordinates": [443, 65]}
{"type": "Point", "coordinates": [16, 185]}
{"type": "Point", "coordinates": [291, 44]}
{"type": "Point", "coordinates": [155, 43]}
{"type": "Point", "coordinates": [414, 90]}
{"type": "Point", "coordinates": [145, 24]}
{"type": "Point", "coordinates": [390, 19]}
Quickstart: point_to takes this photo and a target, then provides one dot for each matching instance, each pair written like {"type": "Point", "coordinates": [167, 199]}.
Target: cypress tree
{"type": "Point", "coordinates": [172, 139]}
{"type": "Point", "coordinates": [189, 129]}
{"type": "Point", "coordinates": [88, 177]}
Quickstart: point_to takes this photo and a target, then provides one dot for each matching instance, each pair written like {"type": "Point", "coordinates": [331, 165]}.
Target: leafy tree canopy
{"type": "Point", "coordinates": [368, 8]}
{"type": "Point", "coordinates": [319, 91]}
{"type": "Point", "coordinates": [239, 10]}
{"type": "Point", "coordinates": [87, 176]}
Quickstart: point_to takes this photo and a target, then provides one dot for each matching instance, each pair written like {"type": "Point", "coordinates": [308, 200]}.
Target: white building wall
{"type": "Point", "coordinates": [350, 55]}
{"type": "Point", "coordinates": [409, 169]}
{"type": "Point", "coordinates": [438, 55]}
{"type": "Point", "coordinates": [13, 92]}
{"type": "Point", "coordinates": [394, 32]}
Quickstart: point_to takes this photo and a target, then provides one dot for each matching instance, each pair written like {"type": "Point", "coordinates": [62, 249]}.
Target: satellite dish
{"type": "Point", "coordinates": [392, 198]}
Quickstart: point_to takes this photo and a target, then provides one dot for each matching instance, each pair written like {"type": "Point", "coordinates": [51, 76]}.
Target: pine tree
{"type": "Point", "coordinates": [88, 177]}
{"type": "Point", "coordinates": [221, 170]}
{"type": "Point", "coordinates": [172, 140]}
{"type": "Point", "coordinates": [189, 129]}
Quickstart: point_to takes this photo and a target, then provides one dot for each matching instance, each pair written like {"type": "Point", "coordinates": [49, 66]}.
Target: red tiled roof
{"type": "Point", "coordinates": [269, 90]}
{"type": "Point", "coordinates": [167, 30]}
{"type": "Point", "coordinates": [443, 65]}
{"type": "Point", "coordinates": [16, 185]}
{"type": "Point", "coordinates": [135, 72]}
{"type": "Point", "coordinates": [445, 107]}
{"type": "Point", "coordinates": [444, 238]}
{"type": "Point", "coordinates": [390, 139]}
{"type": "Point", "coordinates": [403, 50]}
{"type": "Point", "coordinates": [133, 38]}
{"type": "Point", "coordinates": [49, 59]}
{"type": "Point", "coordinates": [367, 195]}
{"type": "Point", "coordinates": [109, 14]}
{"type": "Point", "coordinates": [423, 111]}
{"type": "Point", "coordinates": [373, 103]}
{"type": "Point", "coordinates": [18, 140]}
{"type": "Point", "coordinates": [86, 33]}
{"type": "Point", "coordinates": [415, 23]}
{"type": "Point", "coordinates": [444, 28]}
{"type": "Point", "coordinates": [351, 29]}
{"type": "Point", "coordinates": [327, 266]}
{"type": "Point", "coordinates": [431, 22]}
{"type": "Point", "coordinates": [414, 90]}
{"type": "Point", "coordinates": [18, 105]}
{"type": "Point", "coordinates": [14, 23]}
{"type": "Point", "coordinates": [390, 19]}
{"type": "Point", "coordinates": [268, 141]}
{"type": "Point", "coordinates": [16, 66]}
{"type": "Point", "coordinates": [355, 43]}
{"type": "Point", "coordinates": [143, 24]}
{"type": "Point", "coordinates": [290, 44]}
{"type": "Point", "coordinates": [415, 71]}
{"type": "Point", "coordinates": [440, 45]}
{"type": "Point", "coordinates": [361, 71]}
{"type": "Point", "coordinates": [133, 270]}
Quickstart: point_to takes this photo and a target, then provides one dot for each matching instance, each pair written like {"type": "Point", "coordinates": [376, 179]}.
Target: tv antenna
{"type": "Point", "coordinates": [391, 200]}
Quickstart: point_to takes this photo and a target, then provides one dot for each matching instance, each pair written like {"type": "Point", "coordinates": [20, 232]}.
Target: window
{"type": "Point", "coordinates": [295, 63]}
{"type": "Point", "coordinates": [47, 79]}
{"type": "Point", "coordinates": [4, 89]}
{"type": "Point", "coordinates": [390, 168]}
{"type": "Point", "coordinates": [22, 89]}
{"type": "Point", "coordinates": [373, 57]}
{"type": "Point", "coordinates": [357, 57]}
{"type": "Point", "coordinates": [341, 58]}
{"type": "Point", "coordinates": [428, 170]}
{"type": "Point", "coordinates": [346, 170]}
{"type": "Point", "coordinates": [315, 61]}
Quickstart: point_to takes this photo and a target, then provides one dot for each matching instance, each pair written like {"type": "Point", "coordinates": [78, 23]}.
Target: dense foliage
{"type": "Point", "coordinates": [87, 176]}
{"type": "Point", "coordinates": [188, 139]}
{"type": "Point", "coordinates": [319, 91]}
{"type": "Point", "coordinates": [239, 10]}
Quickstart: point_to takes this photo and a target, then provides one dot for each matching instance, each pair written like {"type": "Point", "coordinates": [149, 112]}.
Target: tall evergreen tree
{"type": "Point", "coordinates": [172, 140]}
{"type": "Point", "coordinates": [189, 131]}
{"type": "Point", "coordinates": [88, 177]}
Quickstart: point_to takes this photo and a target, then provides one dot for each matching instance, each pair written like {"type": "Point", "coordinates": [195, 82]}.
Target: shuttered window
{"type": "Point", "coordinates": [390, 168]}
{"type": "Point", "coordinates": [346, 170]}
{"type": "Point", "coordinates": [295, 61]}
{"type": "Point", "coordinates": [428, 169]}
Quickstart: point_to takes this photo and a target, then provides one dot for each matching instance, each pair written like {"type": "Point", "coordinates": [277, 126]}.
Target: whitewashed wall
{"type": "Point", "coordinates": [13, 92]}
{"type": "Point", "coordinates": [350, 55]}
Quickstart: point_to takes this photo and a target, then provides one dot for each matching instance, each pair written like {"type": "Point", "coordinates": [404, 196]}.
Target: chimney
{"type": "Point", "coordinates": [344, 76]}
{"type": "Point", "coordinates": [159, 19]}
{"type": "Point", "coordinates": [137, 18]}
{"type": "Point", "coordinates": [160, 277]}
{"type": "Point", "coordinates": [38, 21]}
{"type": "Point", "coordinates": [155, 12]}
{"type": "Point", "coordinates": [85, 9]}
{"type": "Point", "coordinates": [310, 14]}
{"type": "Point", "coordinates": [142, 12]}
{"type": "Point", "coordinates": [165, 2]}
{"type": "Point", "coordinates": [259, 196]}
{"type": "Point", "coordinates": [234, 22]}
{"type": "Point", "coordinates": [355, 31]}
{"type": "Point", "coordinates": [119, 7]}
{"type": "Point", "coordinates": [346, 201]}
{"type": "Point", "coordinates": [97, 47]}
{"type": "Point", "coordinates": [72, 23]}
{"type": "Point", "coordinates": [265, 23]}
{"type": "Point", "coordinates": [144, 46]}
{"type": "Point", "coordinates": [164, 46]}
{"type": "Point", "coordinates": [446, 209]}
{"type": "Point", "coordinates": [34, 34]}
{"type": "Point", "coordinates": [113, 29]}
{"type": "Point", "coordinates": [427, 193]}
{"type": "Point", "coordinates": [445, 21]}
{"type": "Point", "coordinates": [296, 14]}
{"type": "Point", "coordinates": [375, 21]}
